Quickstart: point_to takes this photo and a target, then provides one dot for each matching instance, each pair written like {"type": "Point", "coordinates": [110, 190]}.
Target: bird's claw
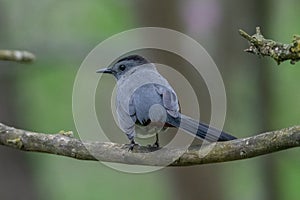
{"type": "Point", "coordinates": [155, 145]}
{"type": "Point", "coordinates": [132, 144]}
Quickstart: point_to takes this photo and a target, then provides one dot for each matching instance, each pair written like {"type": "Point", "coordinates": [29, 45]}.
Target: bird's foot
{"type": "Point", "coordinates": [155, 145]}
{"type": "Point", "coordinates": [132, 144]}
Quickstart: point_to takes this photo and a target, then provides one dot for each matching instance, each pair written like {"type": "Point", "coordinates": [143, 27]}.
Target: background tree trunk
{"type": "Point", "coordinates": [16, 179]}
{"type": "Point", "coordinates": [254, 13]}
{"type": "Point", "coordinates": [192, 182]}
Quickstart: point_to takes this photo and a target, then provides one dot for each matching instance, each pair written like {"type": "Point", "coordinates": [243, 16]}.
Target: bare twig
{"type": "Point", "coordinates": [278, 51]}
{"type": "Point", "coordinates": [64, 144]}
{"type": "Point", "coordinates": [18, 56]}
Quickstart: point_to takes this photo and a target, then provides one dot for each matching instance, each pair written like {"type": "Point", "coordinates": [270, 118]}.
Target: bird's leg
{"type": "Point", "coordinates": [156, 144]}
{"type": "Point", "coordinates": [132, 144]}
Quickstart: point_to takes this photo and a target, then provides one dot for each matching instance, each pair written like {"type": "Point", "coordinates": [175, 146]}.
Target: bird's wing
{"type": "Point", "coordinates": [169, 99]}
{"type": "Point", "coordinates": [125, 118]}
{"type": "Point", "coordinates": [131, 110]}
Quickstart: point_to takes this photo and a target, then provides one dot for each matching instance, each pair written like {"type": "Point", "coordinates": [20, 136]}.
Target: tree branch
{"type": "Point", "coordinates": [18, 56]}
{"type": "Point", "coordinates": [65, 144]}
{"type": "Point", "coordinates": [278, 51]}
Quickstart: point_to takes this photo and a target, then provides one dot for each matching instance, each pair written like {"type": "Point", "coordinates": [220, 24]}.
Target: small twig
{"type": "Point", "coordinates": [18, 56]}
{"type": "Point", "coordinates": [278, 51]}
{"type": "Point", "coordinates": [66, 145]}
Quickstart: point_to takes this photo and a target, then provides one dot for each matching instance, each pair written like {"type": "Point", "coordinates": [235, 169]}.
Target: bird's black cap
{"type": "Point", "coordinates": [136, 58]}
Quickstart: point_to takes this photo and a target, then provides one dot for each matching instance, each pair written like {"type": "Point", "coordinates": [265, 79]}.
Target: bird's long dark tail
{"type": "Point", "coordinates": [198, 129]}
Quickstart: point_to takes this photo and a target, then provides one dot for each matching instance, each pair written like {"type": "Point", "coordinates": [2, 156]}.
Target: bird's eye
{"type": "Point", "coordinates": [122, 67]}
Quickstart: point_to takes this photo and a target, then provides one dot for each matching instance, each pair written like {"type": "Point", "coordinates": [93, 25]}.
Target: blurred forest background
{"type": "Point", "coordinates": [261, 96]}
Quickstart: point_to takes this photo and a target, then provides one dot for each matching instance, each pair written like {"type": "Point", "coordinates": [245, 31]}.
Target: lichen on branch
{"type": "Point", "coordinates": [266, 47]}
{"type": "Point", "coordinates": [65, 144]}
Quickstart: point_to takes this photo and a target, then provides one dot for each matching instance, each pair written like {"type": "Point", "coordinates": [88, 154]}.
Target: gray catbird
{"type": "Point", "coordinates": [145, 98]}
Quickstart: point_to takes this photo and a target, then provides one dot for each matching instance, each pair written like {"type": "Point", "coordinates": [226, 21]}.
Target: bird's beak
{"type": "Point", "coordinates": [105, 70]}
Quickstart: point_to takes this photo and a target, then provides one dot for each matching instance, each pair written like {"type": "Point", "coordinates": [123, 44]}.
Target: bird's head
{"type": "Point", "coordinates": [123, 65]}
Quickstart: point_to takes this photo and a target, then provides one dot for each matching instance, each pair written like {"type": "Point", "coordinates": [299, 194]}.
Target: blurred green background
{"type": "Point", "coordinates": [261, 96]}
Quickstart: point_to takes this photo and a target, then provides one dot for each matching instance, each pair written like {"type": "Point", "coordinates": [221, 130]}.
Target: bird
{"type": "Point", "coordinates": [145, 99]}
